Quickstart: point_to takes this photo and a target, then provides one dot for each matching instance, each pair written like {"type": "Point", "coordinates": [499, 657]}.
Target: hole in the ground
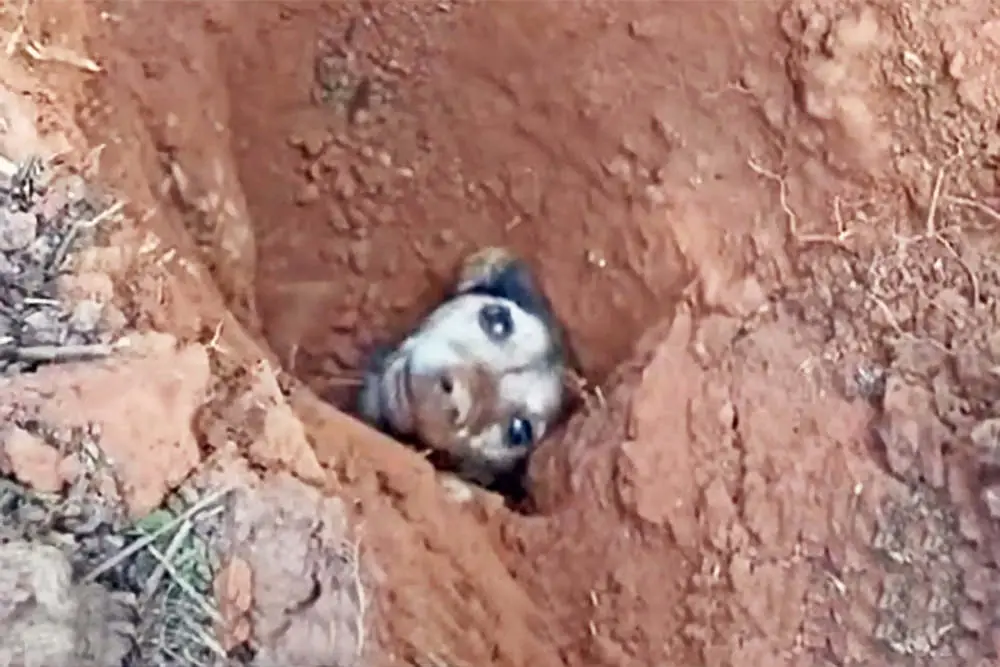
{"type": "Point", "coordinates": [346, 220]}
{"type": "Point", "coordinates": [370, 161]}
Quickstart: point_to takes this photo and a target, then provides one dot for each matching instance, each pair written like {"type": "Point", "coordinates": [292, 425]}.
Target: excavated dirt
{"type": "Point", "coordinates": [770, 229]}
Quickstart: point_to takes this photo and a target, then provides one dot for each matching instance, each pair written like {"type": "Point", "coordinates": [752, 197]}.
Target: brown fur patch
{"type": "Point", "coordinates": [437, 414]}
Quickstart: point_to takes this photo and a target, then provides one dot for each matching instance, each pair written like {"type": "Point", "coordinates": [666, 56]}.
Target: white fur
{"type": "Point", "coordinates": [529, 381]}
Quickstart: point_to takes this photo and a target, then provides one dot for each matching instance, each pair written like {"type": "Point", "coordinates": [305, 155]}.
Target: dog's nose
{"type": "Point", "coordinates": [443, 391]}
{"type": "Point", "coordinates": [448, 394]}
{"type": "Point", "coordinates": [446, 383]}
{"type": "Point", "coordinates": [496, 321]}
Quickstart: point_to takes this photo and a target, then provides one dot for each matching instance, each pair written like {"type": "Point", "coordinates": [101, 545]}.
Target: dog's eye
{"type": "Point", "coordinates": [496, 321]}
{"type": "Point", "coordinates": [519, 432]}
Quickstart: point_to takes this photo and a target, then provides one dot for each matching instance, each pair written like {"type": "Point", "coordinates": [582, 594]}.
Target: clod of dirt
{"type": "Point", "coordinates": [709, 484]}
{"type": "Point", "coordinates": [18, 230]}
{"type": "Point", "coordinates": [19, 138]}
{"type": "Point", "coordinates": [146, 435]}
{"type": "Point", "coordinates": [258, 418]}
{"type": "Point", "coordinates": [911, 434]}
{"type": "Point", "coordinates": [833, 75]}
{"type": "Point", "coordinates": [309, 594]}
{"type": "Point", "coordinates": [32, 460]}
{"type": "Point", "coordinates": [46, 620]}
{"type": "Point", "coordinates": [986, 437]}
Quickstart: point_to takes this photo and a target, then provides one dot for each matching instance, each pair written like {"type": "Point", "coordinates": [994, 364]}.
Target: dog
{"type": "Point", "coordinates": [481, 380]}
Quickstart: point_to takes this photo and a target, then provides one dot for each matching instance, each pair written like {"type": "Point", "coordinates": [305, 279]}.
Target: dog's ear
{"type": "Point", "coordinates": [368, 405]}
{"type": "Point", "coordinates": [498, 272]}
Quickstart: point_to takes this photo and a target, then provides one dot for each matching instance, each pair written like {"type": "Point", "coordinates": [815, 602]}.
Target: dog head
{"type": "Point", "coordinates": [481, 379]}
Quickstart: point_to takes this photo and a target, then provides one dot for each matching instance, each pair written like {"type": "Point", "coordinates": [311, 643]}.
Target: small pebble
{"type": "Point", "coordinates": [76, 188]}
{"type": "Point", "coordinates": [17, 230]}
{"type": "Point", "coordinates": [8, 269]}
{"type": "Point", "coordinates": [344, 185]}
{"type": "Point", "coordinates": [86, 316]}
{"type": "Point", "coordinates": [308, 194]}
{"type": "Point", "coordinates": [45, 326]}
{"type": "Point", "coordinates": [314, 142]}
{"type": "Point", "coordinates": [360, 255]}
{"type": "Point", "coordinates": [347, 318]}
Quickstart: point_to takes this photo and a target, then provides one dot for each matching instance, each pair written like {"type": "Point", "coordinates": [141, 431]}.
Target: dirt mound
{"type": "Point", "coordinates": [768, 228]}
{"type": "Point", "coordinates": [46, 617]}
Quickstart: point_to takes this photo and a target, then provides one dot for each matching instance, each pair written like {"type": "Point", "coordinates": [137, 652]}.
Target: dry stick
{"type": "Point", "coordinates": [931, 230]}
{"type": "Point", "coordinates": [175, 545]}
{"type": "Point", "coordinates": [207, 639]}
{"type": "Point", "coordinates": [972, 203]}
{"type": "Point", "coordinates": [359, 590]}
{"type": "Point", "coordinates": [345, 381]}
{"type": "Point", "coordinates": [793, 220]}
{"type": "Point", "coordinates": [968, 269]}
{"type": "Point", "coordinates": [40, 301]}
{"type": "Point", "coordinates": [436, 661]}
{"type": "Point", "coordinates": [931, 224]}
{"type": "Point", "coordinates": [184, 585]}
{"type": "Point", "coordinates": [63, 249]}
{"type": "Point", "coordinates": [149, 538]}
{"type": "Point", "coordinates": [55, 353]}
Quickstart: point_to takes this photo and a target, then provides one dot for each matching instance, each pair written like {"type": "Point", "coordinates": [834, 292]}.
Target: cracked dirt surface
{"type": "Point", "coordinates": [769, 227]}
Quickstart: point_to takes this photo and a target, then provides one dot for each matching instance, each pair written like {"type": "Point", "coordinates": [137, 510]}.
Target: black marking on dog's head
{"type": "Point", "coordinates": [516, 282]}
{"type": "Point", "coordinates": [369, 398]}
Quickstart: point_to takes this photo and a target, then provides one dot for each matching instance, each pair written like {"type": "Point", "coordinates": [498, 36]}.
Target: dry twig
{"type": "Point", "coordinates": [973, 203]}
{"type": "Point", "coordinates": [59, 54]}
{"type": "Point", "coordinates": [175, 545]}
{"type": "Point", "coordinates": [590, 393]}
{"type": "Point", "coordinates": [55, 353]}
{"type": "Point", "coordinates": [359, 591]}
{"type": "Point", "coordinates": [930, 226]}
{"type": "Point", "coordinates": [184, 585]}
{"type": "Point", "coordinates": [793, 221]}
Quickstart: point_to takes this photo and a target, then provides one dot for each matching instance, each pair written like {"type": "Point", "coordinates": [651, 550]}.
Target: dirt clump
{"type": "Point", "coordinates": [727, 493]}
{"type": "Point", "coordinates": [50, 621]}
{"type": "Point", "coordinates": [307, 590]}
{"type": "Point", "coordinates": [150, 463]}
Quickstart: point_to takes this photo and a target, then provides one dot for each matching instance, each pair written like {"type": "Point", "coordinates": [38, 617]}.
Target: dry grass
{"type": "Point", "coordinates": [162, 560]}
{"type": "Point", "coordinates": [175, 569]}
